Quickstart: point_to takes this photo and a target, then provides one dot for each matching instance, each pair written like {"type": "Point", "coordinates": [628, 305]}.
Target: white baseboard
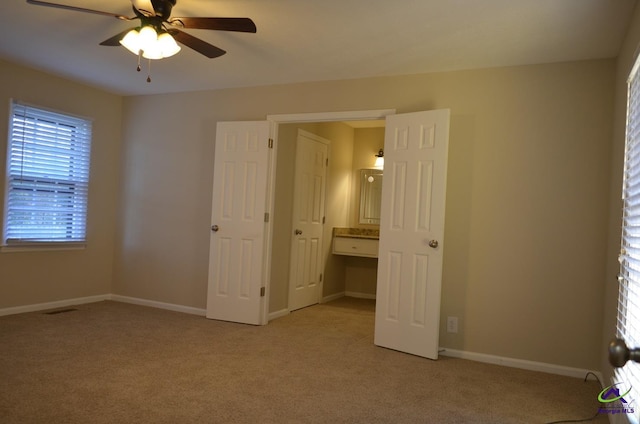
{"type": "Point", "coordinates": [160, 305]}
{"type": "Point", "coordinates": [278, 314]}
{"type": "Point", "coordinates": [100, 298]}
{"type": "Point", "coordinates": [519, 363]}
{"type": "Point", "coordinates": [360, 295]}
{"type": "Point", "coordinates": [332, 297]}
{"type": "Point", "coordinates": [53, 305]}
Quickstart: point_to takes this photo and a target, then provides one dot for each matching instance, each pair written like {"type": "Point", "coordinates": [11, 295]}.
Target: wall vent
{"type": "Point", "coordinates": [60, 311]}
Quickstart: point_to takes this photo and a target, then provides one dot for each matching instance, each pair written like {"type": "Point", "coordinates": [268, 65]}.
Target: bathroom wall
{"type": "Point", "coordinates": [338, 193]}
{"type": "Point", "coordinates": [366, 144]}
{"type": "Point", "coordinates": [350, 150]}
{"type": "Point", "coordinates": [361, 273]}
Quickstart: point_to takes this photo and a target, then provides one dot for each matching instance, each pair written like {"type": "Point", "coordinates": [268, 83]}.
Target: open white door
{"type": "Point", "coordinates": [305, 274]}
{"type": "Point", "coordinates": [411, 232]}
{"type": "Point", "coordinates": [236, 255]}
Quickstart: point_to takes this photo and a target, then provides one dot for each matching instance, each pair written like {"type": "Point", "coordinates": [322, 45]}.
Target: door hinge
{"type": "Point", "coordinates": [266, 217]}
{"type": "Point", "coordinates": [327, 161]}
{"type": "Point", "coordinates": [324, 219]}
{"type": "Point", "coordinates": [262, 291]}
{"type": "Point", "coordinates": [320, 277]}
{"type": "Point", "coordinates": [271, 143]}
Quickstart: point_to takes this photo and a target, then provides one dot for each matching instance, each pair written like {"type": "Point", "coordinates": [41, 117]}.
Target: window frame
{"type": "Point", "coordinates": [49, 180]}
{"type": "Point", "coordinates": [628, 315]}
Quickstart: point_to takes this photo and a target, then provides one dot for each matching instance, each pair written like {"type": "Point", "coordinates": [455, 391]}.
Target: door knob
{"type": "Point", "coordinates": [433, 243]}
{"type": "Point", "coordinates": [298, 232]}
{"type": "Point", "coordinates": [214, 228]}
{"type": "Point", "coordinates": [619, 353]}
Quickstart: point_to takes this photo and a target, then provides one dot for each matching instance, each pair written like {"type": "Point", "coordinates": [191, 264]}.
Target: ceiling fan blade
{"type": "Point", "coordinates": [220, 24]}
{"type": "Point", "coordinates": [144, 6]}
{"type": "Point", "coordinates": [115, 40]}
{"type": "Point", "coordinates": [79, 9]}
{"type": "Point", "coordinates": [196, 44]}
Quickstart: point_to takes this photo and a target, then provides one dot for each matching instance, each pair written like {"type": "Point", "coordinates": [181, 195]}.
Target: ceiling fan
{"type": "Point", "coordinates": [156, 14]}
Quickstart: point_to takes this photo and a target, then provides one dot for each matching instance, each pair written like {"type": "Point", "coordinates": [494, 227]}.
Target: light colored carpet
{"type": "Point", "coordinates": [111, 362]}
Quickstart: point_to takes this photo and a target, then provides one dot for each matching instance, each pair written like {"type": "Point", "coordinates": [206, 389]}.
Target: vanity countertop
{"type": "Point", "coordinates": [364, 233]}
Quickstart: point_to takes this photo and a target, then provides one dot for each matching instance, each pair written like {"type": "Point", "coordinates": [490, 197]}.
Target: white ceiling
{"type": "Point", "coordinates": [307, 40]}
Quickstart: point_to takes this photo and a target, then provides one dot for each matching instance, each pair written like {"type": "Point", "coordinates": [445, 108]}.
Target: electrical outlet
{"type": "Point", "coordinates": [452, 324]}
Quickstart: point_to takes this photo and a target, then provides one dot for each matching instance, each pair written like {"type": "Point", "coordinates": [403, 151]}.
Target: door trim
{"type": "Point", "coordinates": [274, 121]}
{"type": "Point", "coordinates": [358, 115]}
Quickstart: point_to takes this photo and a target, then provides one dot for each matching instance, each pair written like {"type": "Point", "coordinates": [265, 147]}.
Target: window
{"type": "Point", "coordinates": [628, 324]}
{"type": "Point", "coordinates": [47, 177]}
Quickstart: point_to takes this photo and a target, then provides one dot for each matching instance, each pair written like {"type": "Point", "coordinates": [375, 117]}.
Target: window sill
{"type": "Point", "coordinates": [41, 247]}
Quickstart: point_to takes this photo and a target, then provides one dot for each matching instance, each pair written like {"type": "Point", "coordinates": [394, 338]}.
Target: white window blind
{"type": "Point", "coordinates": [47, 176]}
{"type": "Point", "coordinates": [628, 323]}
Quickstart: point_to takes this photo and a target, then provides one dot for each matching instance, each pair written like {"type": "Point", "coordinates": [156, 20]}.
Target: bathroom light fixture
{"type": "Point", "coordinates": [379, 164]}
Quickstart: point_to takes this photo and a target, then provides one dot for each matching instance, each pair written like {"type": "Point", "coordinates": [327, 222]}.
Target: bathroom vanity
{"type": "Point", "coordinates": [356, 242]}
{"type": "Point", "coordinates": [363, 241]}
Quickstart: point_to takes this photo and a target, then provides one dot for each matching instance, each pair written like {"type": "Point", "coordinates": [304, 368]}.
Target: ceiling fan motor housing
{"type": "Point", "coordinates": [161, 8]}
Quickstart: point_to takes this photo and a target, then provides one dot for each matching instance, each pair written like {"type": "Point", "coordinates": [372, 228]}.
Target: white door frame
{"type": "Point", "coordinates": [274, 122]}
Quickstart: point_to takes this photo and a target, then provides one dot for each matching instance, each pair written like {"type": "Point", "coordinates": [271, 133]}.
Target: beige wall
{"type": "Point", "coordinates": [531, 199]}
{"type": "Point", "coordinates": [624, 64]}
{"type": "Point", "coordinates": [527, 198]}
{"type": "Point", "coordinates": [350, 150]}
{"type": "Point", "coordinates": [361, 276]}
{"type": "Point", "coordinates": [28, 278]}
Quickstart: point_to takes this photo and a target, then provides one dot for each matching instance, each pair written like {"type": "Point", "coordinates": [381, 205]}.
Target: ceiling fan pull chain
{"type": "Point", "coordinates": [149, 73]}
{"type": "Point", "coordinates": [139, 56]}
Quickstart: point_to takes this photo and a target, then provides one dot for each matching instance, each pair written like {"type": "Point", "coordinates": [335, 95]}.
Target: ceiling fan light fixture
{"type": "Point", "coordinates": [147, 42]}
{"type": "Point", "coordinates": [131, 41]}
{"type": "Point", "coordinates": [156, 14]}
{"type": "Point", "coordinates": [147, 36]}
{"type": "Point", "coordinates": [152, 51]}
{"type": "Point", "coordinates": [168, 45]}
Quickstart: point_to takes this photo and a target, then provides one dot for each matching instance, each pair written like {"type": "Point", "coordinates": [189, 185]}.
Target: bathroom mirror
{"type": "Point", "coordinates": [370, 196]}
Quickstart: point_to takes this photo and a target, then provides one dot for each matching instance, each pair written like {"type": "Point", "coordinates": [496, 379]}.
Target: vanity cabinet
{"type": "Point", "coordinates": [355, 246]}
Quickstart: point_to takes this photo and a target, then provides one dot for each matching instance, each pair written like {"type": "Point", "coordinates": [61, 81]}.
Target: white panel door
{"type": "Point", "coordinates": [412, 232]}
{"type": "Point", "coordinates": [308, 213]}
{"type": "Point", "coordinates": [236, 252]}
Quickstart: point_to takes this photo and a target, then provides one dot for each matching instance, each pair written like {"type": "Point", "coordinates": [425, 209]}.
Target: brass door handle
{"type": "Point", "coordinates": [433, 243]}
